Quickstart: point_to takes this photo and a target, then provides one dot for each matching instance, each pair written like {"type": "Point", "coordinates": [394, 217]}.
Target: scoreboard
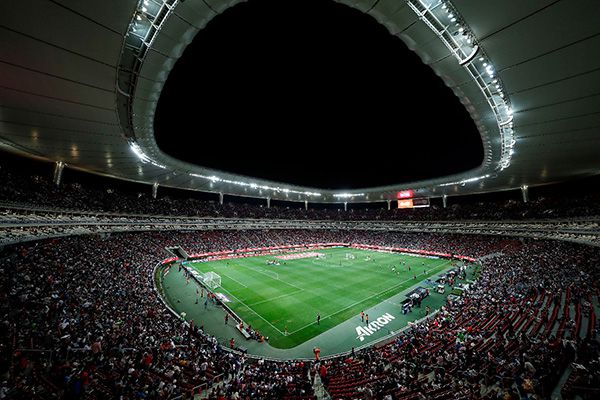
{"type": "Point", "coordinates": [406, 199]}
{"type": "Point", "coordinates": [413, 203]}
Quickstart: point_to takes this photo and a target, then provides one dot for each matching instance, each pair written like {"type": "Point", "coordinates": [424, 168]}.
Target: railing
{"type": "Point", "coordinates": [194, 389]}
{"type": "Point", "coordinates": [33, 224]}
{"type": "Point", "coordinates": [586, 233]}
{"type": "Point", "coordinates": [35, 209]}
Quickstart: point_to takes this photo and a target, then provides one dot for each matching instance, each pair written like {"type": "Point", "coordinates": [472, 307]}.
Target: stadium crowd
{"type": "Point", "coordinates": [39, 191]}
{"type": "Point", "coordinates": [512, 336]}
{"type": "Point", "coordinates": [81, 319]}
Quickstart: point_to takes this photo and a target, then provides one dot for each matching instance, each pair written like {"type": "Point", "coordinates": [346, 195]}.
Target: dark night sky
{"type": "Point", "coordinates": [314, 93]}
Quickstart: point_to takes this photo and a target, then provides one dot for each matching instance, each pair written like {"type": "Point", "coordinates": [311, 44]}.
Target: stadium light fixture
{"type": "Point", "coordinates": [347, 195]}
{"type": "Point", "coordinates": [253, 185]}
{"type": "Point", "coordinates": [138, 152]}
{"type": "Point", "coordinates": [465, 181]}
{"type": "Point", "coordinates": [465, 48]}
{"type": "Point", "coordinates": [143, 156]}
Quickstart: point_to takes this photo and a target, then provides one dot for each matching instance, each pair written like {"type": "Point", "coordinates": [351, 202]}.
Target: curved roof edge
{"type": "Point", "coordinates": [437, 33]}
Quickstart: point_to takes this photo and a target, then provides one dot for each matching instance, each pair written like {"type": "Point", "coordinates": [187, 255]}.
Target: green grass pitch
{"type": "Point", "coordinates": [287, 297]}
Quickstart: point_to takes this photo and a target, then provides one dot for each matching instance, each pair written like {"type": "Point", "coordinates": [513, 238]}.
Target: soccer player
{"type": "Point", "coordinates": [318, 318]}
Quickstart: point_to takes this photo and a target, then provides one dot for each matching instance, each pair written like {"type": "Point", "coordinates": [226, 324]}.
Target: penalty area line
{"type": "Point", "coordinates": [277, 278]}
{"type": "Point", "coordinates": [277, 297]}
{"type": "Point", "coordinates": [250, 308]}
{"type": "Point", "coordinates": [233, 279]}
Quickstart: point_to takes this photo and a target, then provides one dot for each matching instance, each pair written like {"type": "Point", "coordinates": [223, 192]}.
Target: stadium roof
{"type": "Point", "coordinates": [80, 82]}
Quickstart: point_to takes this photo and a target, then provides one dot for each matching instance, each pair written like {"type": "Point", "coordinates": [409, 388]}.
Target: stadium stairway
{"type": "Point", "coordinates": [319, 389]}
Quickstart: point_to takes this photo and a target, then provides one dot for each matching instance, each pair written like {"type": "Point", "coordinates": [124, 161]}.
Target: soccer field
{"type": "Point", "coordinates": [276, 299]}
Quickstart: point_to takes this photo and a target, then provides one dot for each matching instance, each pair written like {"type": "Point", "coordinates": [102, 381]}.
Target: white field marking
{"type": "Point", "coordinates": [330, 265]}
{"type": "Point", "coordinates": [250, 308]}
{"type": "Point", "coordinates": [233, 279]}
{"type": "Point", "coordinates": [277, 279]}
{"type": "Point", "coordinates": [367, 298]}
{"type": "Point", "coordinates": [277, 297]}
{"type": "Point", "coordinates": [267, 272]}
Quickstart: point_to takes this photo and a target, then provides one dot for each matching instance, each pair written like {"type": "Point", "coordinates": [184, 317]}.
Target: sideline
{"type": "Point", "coordinates": [250, 308]}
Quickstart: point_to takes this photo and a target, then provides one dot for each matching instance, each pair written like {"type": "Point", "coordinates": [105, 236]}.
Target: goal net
{"type": "Point", "coordinates": [212, 280]}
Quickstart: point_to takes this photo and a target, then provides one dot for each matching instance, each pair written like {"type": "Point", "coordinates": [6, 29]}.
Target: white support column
{"type": "Point", "coordinates": [345, 206]}
{"type": "Point", "coordinates": [306, 205]}
{"type": "Point", "coordinates": [221, 198]}
{"type": "Point", "coordinates": [389, 204]}
{"type": "Point", "coordinates": [154, 190]}
{"type": "Point", "coordinates": [59, 166]}
{"type": "Point", "coordinates": [445, 200]}
{"type": "Point", "coordinates": [268, 202]}
{"type": "Point", "coordinates": [525, 193]}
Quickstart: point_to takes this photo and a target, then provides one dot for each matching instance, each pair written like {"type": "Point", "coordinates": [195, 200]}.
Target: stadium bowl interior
{"type": "Point", "coordinates": [129, 273]}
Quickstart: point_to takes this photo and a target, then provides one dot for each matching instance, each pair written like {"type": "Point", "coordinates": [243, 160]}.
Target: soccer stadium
{"type": "Point", "coordinates": [300, 200]}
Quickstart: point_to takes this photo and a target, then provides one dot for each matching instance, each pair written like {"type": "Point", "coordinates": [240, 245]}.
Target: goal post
{"type": "Point", "coordinates": [212, 280]}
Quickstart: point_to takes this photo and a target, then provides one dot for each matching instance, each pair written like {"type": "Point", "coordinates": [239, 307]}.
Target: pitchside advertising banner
{"type": "Point", "coordinates": [240, 253]}
{"type": "Point", "coordinates": [365, 331]}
